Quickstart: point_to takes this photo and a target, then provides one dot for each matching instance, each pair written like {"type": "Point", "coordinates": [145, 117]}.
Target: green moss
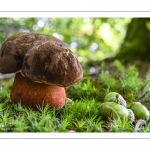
{"type": "Point", "coordinates": [80, 113]}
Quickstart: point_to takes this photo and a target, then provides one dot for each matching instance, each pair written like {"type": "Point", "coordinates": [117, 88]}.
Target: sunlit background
{"type": "Point", "coordinates": [91, 39]}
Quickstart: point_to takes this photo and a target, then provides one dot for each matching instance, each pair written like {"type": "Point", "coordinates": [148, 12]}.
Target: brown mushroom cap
{"type": "Point", "coordinates": [42, 58]}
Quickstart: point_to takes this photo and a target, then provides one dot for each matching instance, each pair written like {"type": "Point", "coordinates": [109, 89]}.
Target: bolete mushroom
{"type": "Point", "coordinates": [43, 64]}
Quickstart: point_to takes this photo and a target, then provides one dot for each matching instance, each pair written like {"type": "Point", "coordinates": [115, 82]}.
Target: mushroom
{"type": "Point", "coordinates": [44, 66]}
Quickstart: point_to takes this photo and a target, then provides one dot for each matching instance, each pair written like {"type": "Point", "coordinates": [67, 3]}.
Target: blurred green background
{"type": "Point", "coordinates": [91, 39]}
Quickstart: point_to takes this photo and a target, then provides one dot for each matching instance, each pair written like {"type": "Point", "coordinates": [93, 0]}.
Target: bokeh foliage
{"type": "Point", "coordinates": [89, 38]}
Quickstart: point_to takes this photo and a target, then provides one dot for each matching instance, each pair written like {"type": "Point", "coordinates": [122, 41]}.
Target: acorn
{"type": "Point", "coordinates": [140, 111]}
{"type": "Point", "coordinates": [131, 116]}
{"type": "Point", "coordinates": [139, 124]}
{"type": "Point", "coordinates": [115, 97]}
{"type": "Point", "coordinates": [112, 110]}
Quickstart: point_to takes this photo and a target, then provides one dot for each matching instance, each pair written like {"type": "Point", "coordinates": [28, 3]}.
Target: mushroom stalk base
{"type": "Point", "coordinates": [33, 94]}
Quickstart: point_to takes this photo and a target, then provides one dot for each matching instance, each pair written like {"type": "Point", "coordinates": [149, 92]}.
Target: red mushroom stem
{"type": "Point", "coordinates": [33, 94]}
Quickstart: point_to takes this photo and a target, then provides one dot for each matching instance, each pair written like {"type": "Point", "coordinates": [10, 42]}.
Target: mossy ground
{"type": "Point", "coordinates": [80, 114]}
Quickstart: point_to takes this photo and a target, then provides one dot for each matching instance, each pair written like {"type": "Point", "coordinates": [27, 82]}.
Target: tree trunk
{"type": "Point", "coordinates": [136, 45]}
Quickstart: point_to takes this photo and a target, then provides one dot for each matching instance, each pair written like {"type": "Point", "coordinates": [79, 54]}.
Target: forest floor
{"type": "Point", "coordinates": [80, 113]}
